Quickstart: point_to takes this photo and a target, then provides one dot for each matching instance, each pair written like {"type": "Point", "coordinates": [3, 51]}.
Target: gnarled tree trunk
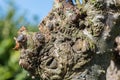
{"type": "Point", "coordinates": [75, 42]}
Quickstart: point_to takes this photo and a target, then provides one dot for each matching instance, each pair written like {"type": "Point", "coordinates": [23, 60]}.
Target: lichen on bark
{"type": "Point", "coordinates": [74, 42]}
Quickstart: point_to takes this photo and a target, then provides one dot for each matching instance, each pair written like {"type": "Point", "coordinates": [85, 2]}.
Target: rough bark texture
{"type": "Point", "coordinates": [75, 42]}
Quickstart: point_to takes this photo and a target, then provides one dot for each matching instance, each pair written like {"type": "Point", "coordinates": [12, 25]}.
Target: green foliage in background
{"type": "Point", "coordinates": [9, 67]}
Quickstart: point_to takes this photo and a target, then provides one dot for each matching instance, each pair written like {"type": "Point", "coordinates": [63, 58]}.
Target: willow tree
{"type": "Point", "coordinates": [76, 41]}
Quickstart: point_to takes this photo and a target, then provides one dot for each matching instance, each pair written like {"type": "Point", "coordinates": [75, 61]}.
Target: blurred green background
{"type": "Point", "coordinates": [9, 25]}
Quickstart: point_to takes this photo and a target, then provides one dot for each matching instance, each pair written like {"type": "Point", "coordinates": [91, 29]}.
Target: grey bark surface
{"type": "Point", "coordinates": [75, 42]}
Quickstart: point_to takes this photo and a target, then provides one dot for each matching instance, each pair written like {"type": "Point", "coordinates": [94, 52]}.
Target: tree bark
{"type": "Point", "coordinates": [75, 42]}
